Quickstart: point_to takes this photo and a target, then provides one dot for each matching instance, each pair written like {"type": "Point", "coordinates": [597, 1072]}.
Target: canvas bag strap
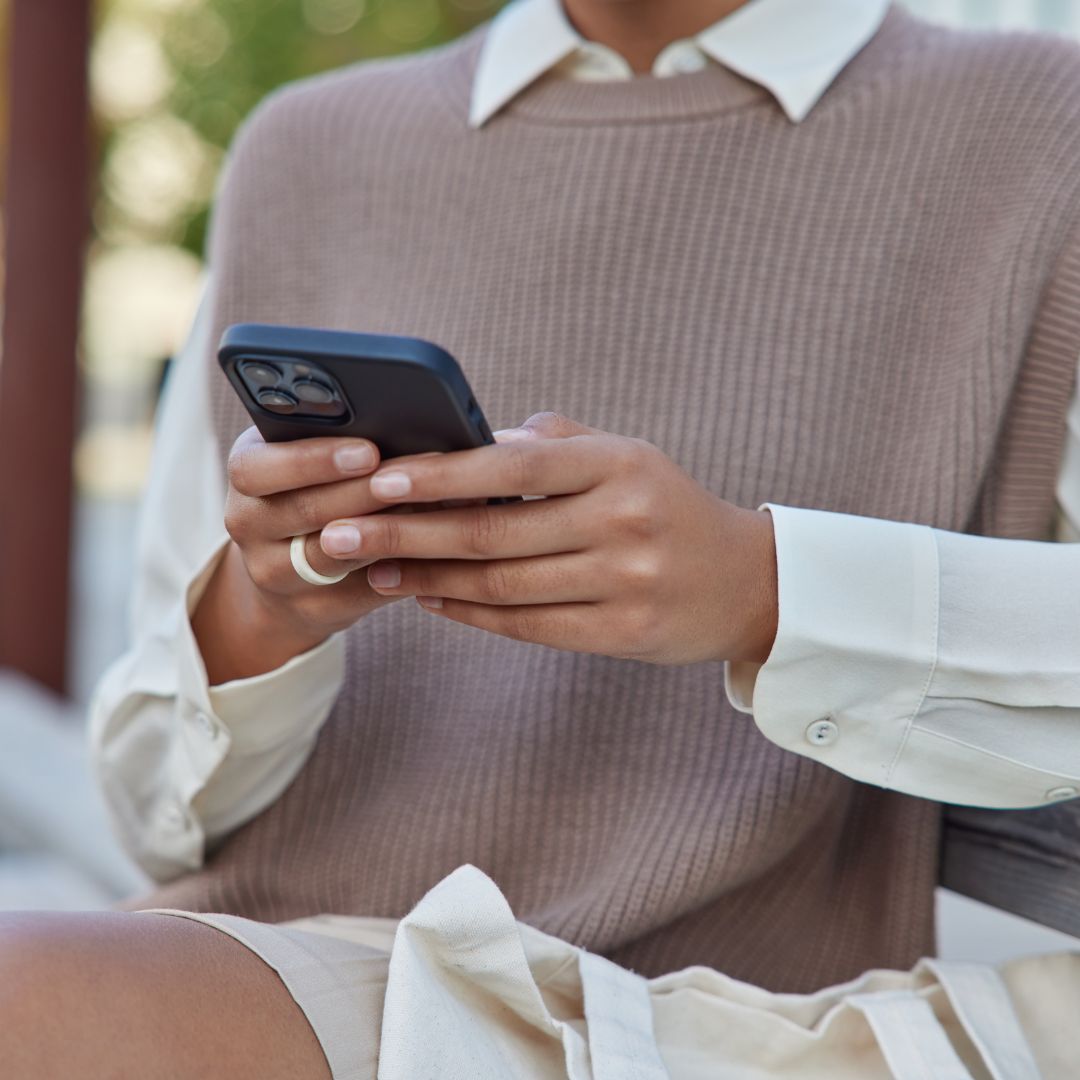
{"type": "Point", "coordinates": [911, 1040]}
{"type": "Point", "coordinates": [981, 1001]}
{"type": "Point", "coordinates": [619, 1017]}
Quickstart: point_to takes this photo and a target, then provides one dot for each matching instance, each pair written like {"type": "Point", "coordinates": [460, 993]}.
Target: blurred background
{"type": "Point", "coordinates": [166, 83]}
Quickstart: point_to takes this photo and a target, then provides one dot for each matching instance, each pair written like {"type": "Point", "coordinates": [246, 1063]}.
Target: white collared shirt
{"type": "Point", "coordinates": [894, 663]}
{"type": "Point", "coordinates": [794, 48]}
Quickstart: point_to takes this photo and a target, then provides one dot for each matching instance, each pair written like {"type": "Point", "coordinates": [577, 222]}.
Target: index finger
{"type": "Point", "coordinates": [258, 468]}
{"type": "Point", "coordinates": [529, 467]}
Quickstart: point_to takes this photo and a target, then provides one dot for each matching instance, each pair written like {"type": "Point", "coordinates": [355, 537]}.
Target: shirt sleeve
{"type": "Point", "coordinates": [181, 763]}
{"type": "Point", "coordinates": [935, 663]}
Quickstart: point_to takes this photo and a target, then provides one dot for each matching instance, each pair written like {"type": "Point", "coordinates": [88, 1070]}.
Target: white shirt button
{"type": "Point", "coordinates": [1058, 793]}
{"type": "Point", "coordinates": [822, 732]}
{"type": "Point", "coordinates": [208, 725]}
{"type": "Point", "coordinates": [680, 58]}
{"type": "Point", "coordinates": [596, 63]}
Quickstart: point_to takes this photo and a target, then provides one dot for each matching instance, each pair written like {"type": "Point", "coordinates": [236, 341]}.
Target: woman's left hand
{"type": "Point", "coordinates": [626, 555]}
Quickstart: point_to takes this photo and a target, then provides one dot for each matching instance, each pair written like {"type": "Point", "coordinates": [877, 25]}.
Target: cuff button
{"type": "Point", "coordinates": [1058, 793]}
{"type": "Point", "coordinates": [822, 732]}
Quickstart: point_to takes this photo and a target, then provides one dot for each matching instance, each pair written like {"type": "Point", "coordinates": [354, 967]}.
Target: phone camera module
{"type": "Point", "coordinates": [258, 373]}
{"type": "Point", "coordinates": [312, 392]}
{"type": "Point", "coordinates": [277, 401]}
{"type": "Point", "coordinates": [296, 388]}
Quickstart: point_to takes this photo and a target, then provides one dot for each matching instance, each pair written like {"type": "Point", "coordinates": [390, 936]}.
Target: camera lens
{"type": "Point", "coordinates": [259, 374]}
{"type": "Point", "coordinates": [312, 392]}
{"type": "Point", "coordinates": [277, 401]}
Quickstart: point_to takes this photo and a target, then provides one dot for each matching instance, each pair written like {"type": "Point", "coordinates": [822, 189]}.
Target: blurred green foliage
{"type": "Point", "coordinates": [226, 55]}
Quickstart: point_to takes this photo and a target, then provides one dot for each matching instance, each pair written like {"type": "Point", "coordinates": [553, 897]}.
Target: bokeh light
{"type": "Point", "coordinates": [171, 80]}
{"type": "Point", "coordinates": [332, 16]}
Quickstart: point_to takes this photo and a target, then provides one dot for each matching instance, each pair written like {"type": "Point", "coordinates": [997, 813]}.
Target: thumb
{"type": "Point", "coordinates": [545, 425]}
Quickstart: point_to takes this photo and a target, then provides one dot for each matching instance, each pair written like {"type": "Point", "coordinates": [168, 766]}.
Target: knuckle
{"type": "Point", "coordinates": [520, 467]}
{"type": "Point", "coordinates": [494, 584]}
{"type": "Point", "coordinates": [386, 538]}
{"type": "Point", "coordinates": [522, 626]}
{"type": "Point", "coordinates": [484, 532]}
{"type": "Point", "coordinates": [548, 420]}
{"type": "Point", "coordinates": [641, 572]}
{"type": "Point", "coordinates": [265, 575]}
{"type": "Point", "coordinates": [636, 514]}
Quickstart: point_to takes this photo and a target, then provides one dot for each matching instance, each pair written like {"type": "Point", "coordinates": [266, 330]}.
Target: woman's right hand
{"type": "Point", "coordinates": [256, 613]}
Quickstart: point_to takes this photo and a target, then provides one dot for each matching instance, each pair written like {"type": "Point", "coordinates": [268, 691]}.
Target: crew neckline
{"type": "Point", "coordinates": [642, 99]}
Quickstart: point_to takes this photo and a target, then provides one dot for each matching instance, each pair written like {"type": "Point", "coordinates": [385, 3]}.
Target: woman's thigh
{"type": "Point", "coordinates": [144, 996]}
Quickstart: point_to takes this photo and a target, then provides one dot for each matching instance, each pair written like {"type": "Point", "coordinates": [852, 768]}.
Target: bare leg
{"type": "Point", "coordinates": [112, 996]}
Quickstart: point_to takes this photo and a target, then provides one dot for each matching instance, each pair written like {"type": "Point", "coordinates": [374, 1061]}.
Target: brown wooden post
{"type": "Point", "coordinates": [45, 220]}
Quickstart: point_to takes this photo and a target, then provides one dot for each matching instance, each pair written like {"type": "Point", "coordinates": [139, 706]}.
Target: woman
{"type": "Point", "coordinates": [820, 257]}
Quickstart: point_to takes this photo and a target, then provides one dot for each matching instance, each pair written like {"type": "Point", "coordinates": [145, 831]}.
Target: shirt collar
{"type": "Point", "coordinates": [793, 48]}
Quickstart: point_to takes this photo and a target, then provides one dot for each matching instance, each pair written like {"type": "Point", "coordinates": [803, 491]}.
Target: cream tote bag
{"type": "Point", "coordinates": [474, 995]}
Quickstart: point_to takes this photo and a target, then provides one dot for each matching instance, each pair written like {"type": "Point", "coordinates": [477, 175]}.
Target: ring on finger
{"type": "Point", "coordinates": [304, 569]}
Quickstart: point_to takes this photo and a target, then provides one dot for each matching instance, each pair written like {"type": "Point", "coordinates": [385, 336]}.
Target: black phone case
{"type": "Point", "coordinates": [406, 395]}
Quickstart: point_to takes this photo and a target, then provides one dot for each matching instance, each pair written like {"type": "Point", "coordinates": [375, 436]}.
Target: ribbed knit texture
{"type": "Point", "coordinates": [875, 312]}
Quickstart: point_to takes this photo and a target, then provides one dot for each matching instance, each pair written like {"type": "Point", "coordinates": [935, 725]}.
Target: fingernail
{"type": "Point", "coordinates": [384, 575]}
{"type": "Point", "coordinates": [390, 485]}
{"type": "Point", "coordinates": [340, 539]}
{"type": "Point", "coordinates": [430, 601]}
{"type": "Point", "coordinates": [354, 458]}
{"type": "Point", "coordinates": [513, 434]}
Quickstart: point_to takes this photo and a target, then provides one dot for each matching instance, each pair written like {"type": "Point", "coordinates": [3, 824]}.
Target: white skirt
{"type": "Point", "coordinates": [459, 990]}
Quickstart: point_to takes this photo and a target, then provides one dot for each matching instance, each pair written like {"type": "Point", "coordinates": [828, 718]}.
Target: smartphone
{"type": "Point", "coordinates": [406, 395]}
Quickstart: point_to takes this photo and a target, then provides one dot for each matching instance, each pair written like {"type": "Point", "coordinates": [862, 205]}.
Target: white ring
{"type": "Point", "coordinates": [300, 564]}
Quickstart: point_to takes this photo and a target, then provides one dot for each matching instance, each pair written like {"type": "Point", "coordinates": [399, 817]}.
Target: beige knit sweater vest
{"type": "Point", "coordinates": [876, 311]}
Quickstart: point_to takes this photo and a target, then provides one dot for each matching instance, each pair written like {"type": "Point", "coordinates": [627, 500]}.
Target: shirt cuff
{"type": "Point", "coordinates": [856, 640]}
{"type": "Point", "coordinates": [255, 715]}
